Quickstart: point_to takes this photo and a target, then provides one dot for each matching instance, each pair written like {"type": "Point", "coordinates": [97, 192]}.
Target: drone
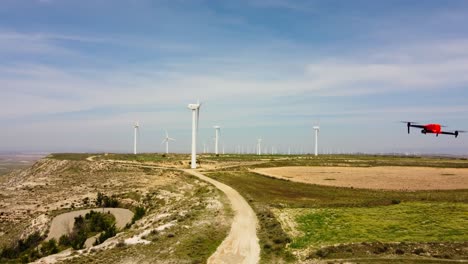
{"type": "Point", "coordinates": [432, 129]}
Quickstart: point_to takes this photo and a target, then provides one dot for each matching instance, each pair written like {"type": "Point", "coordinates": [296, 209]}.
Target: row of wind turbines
{"type": "Point", "coordinates": [136, 134]}
{"type": "Point", "coordinates": [195, 108]}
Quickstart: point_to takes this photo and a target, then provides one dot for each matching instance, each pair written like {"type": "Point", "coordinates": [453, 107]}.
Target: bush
{"type": "Point", "coordinates": [20, 246]}
{"type": "Point", "coordinates": [103, 200]}
{"type": "Point", "coordinates": [64, 240]}
{"type": "Point", "coordinates": [78, 239]}
{"type": "Point", "coordinates": [108, 233]}
{"type": "Point", "coordinates": [139, 213]}
{"type": "Point", "coordinates": [99, 198]}
{"type": "Point", "coordinates": [49, 247]}
{"type": "Point", "coordinates": [110, 202]}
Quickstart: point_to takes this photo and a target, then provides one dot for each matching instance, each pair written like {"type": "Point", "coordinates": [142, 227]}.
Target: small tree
{"type": "Point", "coordinates": [49, 247]}
{"type": "Point", "coordinates": [139, 213]}
{"type": "Point", "coordinates": [99, 198]}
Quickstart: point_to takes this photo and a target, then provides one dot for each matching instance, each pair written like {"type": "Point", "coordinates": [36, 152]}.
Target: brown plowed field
{"type": "Point", "coordinates": [384, 178]}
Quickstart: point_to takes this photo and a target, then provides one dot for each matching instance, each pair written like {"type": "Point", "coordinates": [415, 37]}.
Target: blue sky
{"type": "Point", "coordinates": [75, 75]}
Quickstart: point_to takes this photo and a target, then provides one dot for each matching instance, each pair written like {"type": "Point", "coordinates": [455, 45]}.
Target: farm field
{"type": "Point", "coordinates": [383, 178]}
{"type": "Point", "coordinates": [305, 222]}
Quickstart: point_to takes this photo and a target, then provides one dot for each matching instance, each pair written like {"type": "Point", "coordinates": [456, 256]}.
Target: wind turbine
{"type": "Point", "coordinates": [317, 129]}
{"type": "Point", "coordinates": [217, 130]}
{"type": "Point", "coordinates": [166, 140]}
{"type": "Point", "coordinates": [259, 146]}
{"type": "Point", "coordinates": [136, 127]}
{"type": "Point", "coordinates": [195, 117]}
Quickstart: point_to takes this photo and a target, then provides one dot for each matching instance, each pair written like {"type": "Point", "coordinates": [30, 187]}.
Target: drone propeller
{"type": "Point", "coordinates": [458, 132]}
{"type": "Point", "coordinates": [411, 122]}
{"type": "Point", "coordinates": [408, 124]}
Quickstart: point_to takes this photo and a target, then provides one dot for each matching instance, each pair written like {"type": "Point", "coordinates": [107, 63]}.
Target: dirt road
{"type": "Point", "coordinates": [241, 245]}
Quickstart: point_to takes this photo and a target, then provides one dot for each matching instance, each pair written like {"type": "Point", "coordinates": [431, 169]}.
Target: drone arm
{"type": "Point", "coordinates": [418, 126]}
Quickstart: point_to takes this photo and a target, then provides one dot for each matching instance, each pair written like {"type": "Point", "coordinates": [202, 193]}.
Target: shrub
{"type": "Point", "coordinates": [108, 233]}
{"type": "Point", "coordinates": [99, 198]}
{"type": "Point", "coordinates": [19, 247]}
{"type": "Point", "coordinates": [49, 247]}
{"type": "Point", "coordinates": [139, 213]}
{"type": "Point", "coordinates": [106, 201]}
{"type": "Point", "coordinates": [64, 240]}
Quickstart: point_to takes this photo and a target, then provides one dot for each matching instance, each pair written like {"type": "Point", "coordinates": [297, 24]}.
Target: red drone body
{"type": "Point", "coordinates": [432, 129]}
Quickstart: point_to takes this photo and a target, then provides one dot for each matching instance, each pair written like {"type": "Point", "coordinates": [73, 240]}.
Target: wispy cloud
{"type": "Point", "coordinates": [256, 64]}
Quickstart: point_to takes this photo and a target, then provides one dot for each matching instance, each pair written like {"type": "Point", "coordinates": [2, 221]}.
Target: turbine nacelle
{"type": "Point", "coordinates": [193, 106]}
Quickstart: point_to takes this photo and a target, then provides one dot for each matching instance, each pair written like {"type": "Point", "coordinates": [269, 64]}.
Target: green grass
{"type": "Point", "coordinates": [264, 193]}
{"type": "Point", "coordinates": [406, 222]}
{"type": "Point", "coordinates": [70, 156]}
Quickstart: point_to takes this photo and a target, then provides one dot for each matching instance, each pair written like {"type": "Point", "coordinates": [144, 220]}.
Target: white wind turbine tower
{"type": "Point", "coordinates": [217, 130]}
{"type": "Point", "coordinates": [136, 128]}
{"type": "Point", "coordinates": [166, 140]}
{"type": "Point", "coordinates": [316, 128]}
{"type": "Point", "coordinates": [195, 117]}
{"type": "Point", "coordinates": [259, 146]}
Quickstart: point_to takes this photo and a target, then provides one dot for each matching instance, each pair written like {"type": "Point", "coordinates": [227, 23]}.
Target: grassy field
{"type": "Point", "coordinates": [267, 194]}
{"type": "Point", "coordinates": [406, 222]}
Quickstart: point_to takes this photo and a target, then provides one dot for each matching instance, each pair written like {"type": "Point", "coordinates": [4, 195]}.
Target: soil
{"type": "Point", "coordinates": [382, 178]}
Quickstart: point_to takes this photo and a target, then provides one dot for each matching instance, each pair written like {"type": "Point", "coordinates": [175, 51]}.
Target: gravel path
{"type": "Point", "coordinates": [241, 245]}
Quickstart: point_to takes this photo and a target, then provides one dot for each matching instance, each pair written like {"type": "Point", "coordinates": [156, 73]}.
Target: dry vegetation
{"type": "Point", "coordinates": [185, 218]}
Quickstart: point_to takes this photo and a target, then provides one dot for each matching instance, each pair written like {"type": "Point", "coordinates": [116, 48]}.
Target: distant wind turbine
{"type": "Point", "coordinates": [259, 146]}
{"type": "Point", "coordinates": [166, 140]}
{"type": "Point", "coordinates": [217, 132]}
{"type": "Point", "coordinates": [195, 118]}
{"type": "Point", "coordinates": [136, 127]}
{"type": "Point", "coordinates": [316, 128]}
